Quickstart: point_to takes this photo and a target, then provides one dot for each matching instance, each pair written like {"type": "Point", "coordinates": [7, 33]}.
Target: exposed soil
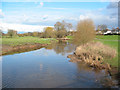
{"type": "Point", "coordinates": [20, 48]}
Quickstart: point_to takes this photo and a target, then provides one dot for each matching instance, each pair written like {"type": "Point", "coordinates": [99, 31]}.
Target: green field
{"type": "Point", "coordinates": [107, 37]}
{"type": "Point", "coordinates": [26, 40]}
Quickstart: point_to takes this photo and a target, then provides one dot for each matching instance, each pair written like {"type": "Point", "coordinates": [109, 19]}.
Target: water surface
{"type": "Point", "coordinates": [49, 68]}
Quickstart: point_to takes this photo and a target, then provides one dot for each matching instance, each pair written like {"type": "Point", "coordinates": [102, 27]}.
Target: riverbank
{"type": "Point", "coordinates": [23, 44]}
{"type": "Point", "coordinates": [110, 64]}
{"type": "Point", "coordinates": [111, 41]}
{"type": "Point", "coordinates": [21, 48]}
{"type": "Point", "coordinates": [95, 51]}
{"type": "Point", "coordinates": [95, 54]}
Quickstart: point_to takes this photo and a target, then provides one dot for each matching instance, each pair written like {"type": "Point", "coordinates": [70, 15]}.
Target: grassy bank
{"type": "Point", "coordinates": [26, 40]}
{"type": "Point", "coordinates": [107, 37]}
{"type": "Point", "coordinates": [110, 40]}
{"type": "Point", "coordinates": [23, 44]}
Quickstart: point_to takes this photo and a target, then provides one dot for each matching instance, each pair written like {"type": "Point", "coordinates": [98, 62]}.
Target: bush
{"type": "Point", "coordinates": [61, 33]}
{"type": "Point", "coordinates": [85, 32]}
{"type": "Point", "coordinates": [49, 32]}
{"type": "Point", "coordinates": [62, 28]}
{"type": "Point", "coordinates": [96, 49]}
{"type": "Point", "coordinates": [35, 34]}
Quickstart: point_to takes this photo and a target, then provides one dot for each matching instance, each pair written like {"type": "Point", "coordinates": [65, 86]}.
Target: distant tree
{"type": "Point", "coordinates": [11, 33]}
{"type": "Point", "coordinates": [57, 26]}
{"type": "Point", "coordinates": [69, 25]}
{"type": "Point", "coordinates": [61, 28]}
{"type": "Point", "coordinates": [85, 32]}
{"type": "Point", "coordinates": [35, 34]}
{"type": "Point", "coordinates": [61, 33]}
{"type": "Point", "coordinates": [30, 34]}
{"type": "Point", "coordinates": [25, 34]}
{"type": "Point", "coordinates": [49, 33]}
{"type": "Point", "coordinates": [41, 35]}
{"type": "Point", "coordinates": [1, 33]}
{"type": "Point", "coordinates": [102, 27]}
{"type": "Point", "coordinates": [21, 35]}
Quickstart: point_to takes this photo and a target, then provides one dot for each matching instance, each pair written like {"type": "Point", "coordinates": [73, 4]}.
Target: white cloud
{"type": "Point", "coordinates": [82, 17]}
{"type": "Point", "coordinates": [100, 19]}
{"type": "Point", "coordinates": [22, 28]}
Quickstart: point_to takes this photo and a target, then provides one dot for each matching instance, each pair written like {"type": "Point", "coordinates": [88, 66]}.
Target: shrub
{"type": "Point", "coordinates": [49, 32]}
{"type": "Point", "coordinates": [85, 32]}
{"type": "Point", "coordinates": [96, 49]}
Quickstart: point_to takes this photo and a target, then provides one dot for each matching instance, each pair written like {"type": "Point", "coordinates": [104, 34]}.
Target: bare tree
{"type": "Point", "coordinates": [57, 26]}
{"type": "Point", "coordinates": [69, 26]}
{"type": "Point", "coordinates": [60, 28]}
{"type": "Point", "coordinates": [102, 27]}
{"type": "Point", "coordinates": [85, 32]}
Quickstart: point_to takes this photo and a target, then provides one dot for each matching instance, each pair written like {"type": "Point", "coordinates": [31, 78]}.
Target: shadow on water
{"type": "Point", "coordinates": [49, 67]}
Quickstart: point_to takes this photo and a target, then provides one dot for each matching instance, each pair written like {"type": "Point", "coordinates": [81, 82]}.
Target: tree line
{"type": "Point", "coordinates": [85, 31]}
{"type": "Point", "coordinates": [60, 30]}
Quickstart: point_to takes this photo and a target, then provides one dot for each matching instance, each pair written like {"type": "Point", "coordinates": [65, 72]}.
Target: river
{"type": "Point", "coordinates": [49, 67]}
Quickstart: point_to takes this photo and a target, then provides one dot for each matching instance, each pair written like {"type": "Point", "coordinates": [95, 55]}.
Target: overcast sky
{"type": "Point", "coordinates": [39, 14]}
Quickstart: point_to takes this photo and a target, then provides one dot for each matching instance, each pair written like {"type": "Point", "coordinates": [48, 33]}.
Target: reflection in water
{"type": "Point", "coordinates": [49, 67]}
{"type": "Point", "coordinates": [61, 47]}
{"type": "Point", "coordinates": [100, 76]}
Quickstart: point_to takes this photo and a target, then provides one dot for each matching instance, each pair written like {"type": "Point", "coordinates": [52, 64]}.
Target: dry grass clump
{"type": "Point", "coordinates": [95, 50]}
{"type": "Point", "coordinates": [93, 54]}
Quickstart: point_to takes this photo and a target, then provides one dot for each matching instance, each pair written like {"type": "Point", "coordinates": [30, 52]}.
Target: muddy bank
{"type": "Point", "coordinates": [94, 54]}
{"type": "Point", "coordinates": [20, 48]}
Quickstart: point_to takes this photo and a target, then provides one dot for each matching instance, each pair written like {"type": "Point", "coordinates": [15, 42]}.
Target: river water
{"type": "Point", "coordinates": [49, 67]}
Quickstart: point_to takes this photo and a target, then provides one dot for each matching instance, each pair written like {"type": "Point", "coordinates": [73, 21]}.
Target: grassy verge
{"type": "Point", "coordinates": [107, 37]}
{"type": "Point", "coordinates": [113, 44]}
{"type": "Point", "coordinates": [26, 40]}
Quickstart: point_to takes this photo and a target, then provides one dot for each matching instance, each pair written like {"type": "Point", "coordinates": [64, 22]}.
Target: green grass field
{"type": "Point", "coordinates": [107, 37]}
{"type": "Point", "coordinates": [25, 40]}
